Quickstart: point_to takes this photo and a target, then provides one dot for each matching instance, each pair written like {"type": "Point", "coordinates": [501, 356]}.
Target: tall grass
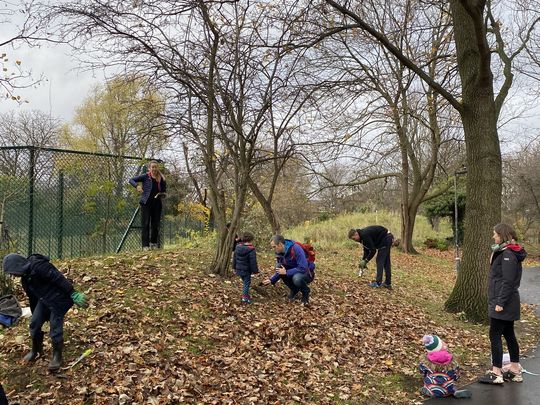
{"type": "Point", "coordinates": [332, 233]}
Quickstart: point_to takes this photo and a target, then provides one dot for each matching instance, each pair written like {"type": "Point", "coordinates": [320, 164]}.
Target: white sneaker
{"type": "Point", "coordinates": [491, 378]}
{"type": "Point", "coordinates": [145, 248]}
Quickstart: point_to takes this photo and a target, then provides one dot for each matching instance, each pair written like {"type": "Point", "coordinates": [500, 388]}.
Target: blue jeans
{"type": "Point", "coordinates": [246, 280]}
{"type": "Point", "coordinates": [40, 315]}
{"type": "Point", "coordinates": [298, 282]}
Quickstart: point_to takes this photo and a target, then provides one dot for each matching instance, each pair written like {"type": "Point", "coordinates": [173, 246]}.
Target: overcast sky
{"type": "Point", "coordinates": [63, 86]}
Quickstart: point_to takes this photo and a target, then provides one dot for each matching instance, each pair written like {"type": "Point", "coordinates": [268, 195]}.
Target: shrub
{"type": "Point", "coordinates": [434, 243]}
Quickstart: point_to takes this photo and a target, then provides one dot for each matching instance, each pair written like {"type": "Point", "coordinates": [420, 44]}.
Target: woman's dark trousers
{"type": "Point", "coordinates": [150, 218]}
{"type": "Point", "coordinates": [497, 329]}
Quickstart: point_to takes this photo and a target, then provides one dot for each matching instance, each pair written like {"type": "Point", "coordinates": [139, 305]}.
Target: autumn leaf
{"type": "Point", "coordinates": [162, 331]}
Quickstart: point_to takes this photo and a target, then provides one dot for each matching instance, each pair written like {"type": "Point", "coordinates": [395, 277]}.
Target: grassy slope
{"type": "Point", "coordinates": [164, 332]}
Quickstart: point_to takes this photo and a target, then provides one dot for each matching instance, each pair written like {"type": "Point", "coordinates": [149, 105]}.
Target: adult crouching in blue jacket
{"type": "Point", "coordinates": [293, 267]}
{"type": "Point", "coordinates": [153, 189]}
{"type": "Point", "coordinates": [50, 294]}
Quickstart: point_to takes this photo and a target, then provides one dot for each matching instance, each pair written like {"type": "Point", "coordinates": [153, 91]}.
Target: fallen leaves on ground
{"type": "Point", "coordinates": [164, 332]}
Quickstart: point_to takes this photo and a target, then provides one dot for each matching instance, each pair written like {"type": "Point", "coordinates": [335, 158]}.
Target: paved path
{"type": "Point", "coordinates": [526, 393]}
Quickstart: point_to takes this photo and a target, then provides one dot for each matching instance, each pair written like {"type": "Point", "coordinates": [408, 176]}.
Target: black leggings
{"type": "Point", "coordinates": [150, 217]}
{"type": "Point", "coordinates": [497, 329]}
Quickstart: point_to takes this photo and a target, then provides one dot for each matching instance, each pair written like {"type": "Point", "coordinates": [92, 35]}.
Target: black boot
{"type": "Point", "coordinates": [37, 348]}
{"type": "Point", "coordinates": [56, 360]}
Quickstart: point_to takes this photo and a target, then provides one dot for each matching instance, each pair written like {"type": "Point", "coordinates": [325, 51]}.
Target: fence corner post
{"type": "Point", "coordinates": [31, 180]}
{"type": "Point", "coordinates": [60, 229]}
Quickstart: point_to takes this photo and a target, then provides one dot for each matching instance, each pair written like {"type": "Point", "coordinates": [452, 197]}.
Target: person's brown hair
{"type": "Point", "coordinates": [351, 233]}
{"type": "Point", "coordinates": [247, 237]}
{"type": "Point", "coordinates": [506, 232]}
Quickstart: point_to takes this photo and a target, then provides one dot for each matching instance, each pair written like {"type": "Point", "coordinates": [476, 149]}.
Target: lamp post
{"type": "Point", "coordinates": [463, 171]}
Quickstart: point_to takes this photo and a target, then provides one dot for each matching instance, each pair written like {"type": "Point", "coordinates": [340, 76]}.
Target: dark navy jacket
{"type": "Point", "coordinates": [3, 399]}
{"type": "Point", "coordinates": [43, 282]}
{"type": "Point", "coordinates": [146, 181]}
{"type": "Point", "coordinates": [504, 280]}
{"type": "Point", "coordinates": [245, 259]}
{"type": "Point", "coordinates": [373, 238]}
{"type": "Point", "coordinates": [294, 260]}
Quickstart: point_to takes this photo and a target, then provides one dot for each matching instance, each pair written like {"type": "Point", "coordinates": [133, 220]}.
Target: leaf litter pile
{"type": "Point", "coordinates": [162, 331]}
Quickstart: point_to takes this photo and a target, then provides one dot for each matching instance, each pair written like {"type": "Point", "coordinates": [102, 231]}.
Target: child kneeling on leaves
{"type": "Point", "coordinates": [51, 295]}
{"type": "Point", "coordinates": [439, 370]}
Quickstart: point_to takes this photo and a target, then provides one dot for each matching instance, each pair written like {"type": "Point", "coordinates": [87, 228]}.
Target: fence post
{"type": "Point", "coordinates": [60, 229]}
{"type": "Point", "coordinates": [31, 179]}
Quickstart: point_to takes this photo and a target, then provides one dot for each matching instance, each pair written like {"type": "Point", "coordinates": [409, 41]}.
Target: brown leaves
{"type": "Point", "coordinates": [163, 332]}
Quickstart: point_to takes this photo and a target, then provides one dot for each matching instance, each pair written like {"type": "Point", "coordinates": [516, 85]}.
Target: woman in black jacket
{"type": "Point", "coordinates": [153, 188]}
{"type": "Point", "coordinates": [504, 304]}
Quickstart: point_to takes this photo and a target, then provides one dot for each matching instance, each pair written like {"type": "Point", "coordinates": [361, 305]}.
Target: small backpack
{"type": "Point", "coordinates": [308, 250]}
{"type": "Point", "coordinates": [10, 310]}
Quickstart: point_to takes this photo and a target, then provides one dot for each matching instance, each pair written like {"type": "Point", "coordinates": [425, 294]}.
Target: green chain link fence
{"type": "Point", "coordinates": [65, 203]}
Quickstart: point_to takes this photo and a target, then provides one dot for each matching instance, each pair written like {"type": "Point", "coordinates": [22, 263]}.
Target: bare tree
{"type": "Point", "coordinates": [214, 62]}
{"type": "Point", "coordinates": [397, 126]}
{"type": "Point", "coordinates": [521, 189]}
{"type": "Point", "coordinates": [28, 128]}
{"type": "Point", "coordinates": [479, 108]}
{"type": "Point", "coordinates": [22, 21]}
{"type": "Point", "coordinates": [18, 132]}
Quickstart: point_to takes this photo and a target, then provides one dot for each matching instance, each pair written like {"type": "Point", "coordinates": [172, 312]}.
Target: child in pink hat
{"type": "Point", "coordinates": [439, 370]}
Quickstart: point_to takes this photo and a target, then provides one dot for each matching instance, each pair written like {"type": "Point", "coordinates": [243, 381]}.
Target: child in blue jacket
{"type": "Point", "coordinates": [245, 263]}
{"type": "Point", "coordinates": [51, 295]}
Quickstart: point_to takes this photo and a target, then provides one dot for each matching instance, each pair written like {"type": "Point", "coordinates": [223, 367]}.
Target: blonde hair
{"type": "Point", "coordinates": [159, 171]}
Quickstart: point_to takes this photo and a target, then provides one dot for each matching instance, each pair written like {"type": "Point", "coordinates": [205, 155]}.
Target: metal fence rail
{"type": "Point", "coordinates": [64, 203]}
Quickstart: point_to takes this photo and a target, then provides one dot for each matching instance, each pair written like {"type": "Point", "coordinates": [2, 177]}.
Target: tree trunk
{"type": "Point", "coordinates": [408, 219]}
{"type": "Point", "coordinates": [222, 258]}
{"type": "Point", "coordinates": [266, 204]}
{"type": "Point", "coordinates": [484, 167]}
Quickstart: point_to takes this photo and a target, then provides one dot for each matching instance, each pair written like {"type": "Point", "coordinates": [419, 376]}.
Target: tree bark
{"type": "Point", "coordinates": [408, 217]}
{"type": "Point", "coordinates": [484, 165]}
{"type": "Point", "coordinates": [266, 204]}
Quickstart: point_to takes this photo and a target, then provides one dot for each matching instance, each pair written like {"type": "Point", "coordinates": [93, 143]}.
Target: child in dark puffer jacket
{"type": "Point", "coordinates": [245, 263]}
{"type": "Point", "coordinates": [51, 295]}
{"type": "Point", "coordinates": [439, 370]}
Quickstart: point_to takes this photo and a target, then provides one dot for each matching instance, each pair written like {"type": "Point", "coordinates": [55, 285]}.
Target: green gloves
{"type": "Point", "coordinates": [363, 264]}
{"type": "Point", "coordinates": [79, 299]}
